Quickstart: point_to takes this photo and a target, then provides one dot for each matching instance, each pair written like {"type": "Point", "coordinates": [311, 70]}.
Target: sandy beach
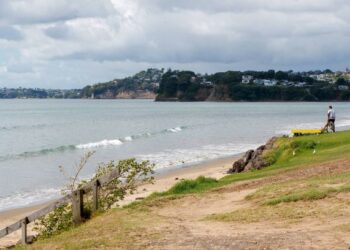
{"type": "Point", "coordinates": [215, 168]}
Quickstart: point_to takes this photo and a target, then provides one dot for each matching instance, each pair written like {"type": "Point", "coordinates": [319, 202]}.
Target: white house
{"type": "Point", "coordinates": [247, 79]}
{"type": "Point", "coordinates": [269, 83]}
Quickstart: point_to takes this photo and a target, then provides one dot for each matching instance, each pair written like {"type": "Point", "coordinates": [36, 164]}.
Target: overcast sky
{"type": "Point", "coordinates": [72, 43]}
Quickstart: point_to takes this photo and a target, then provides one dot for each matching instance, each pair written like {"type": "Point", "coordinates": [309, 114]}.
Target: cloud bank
{"type": "Point", "coordinates": [67, 44]}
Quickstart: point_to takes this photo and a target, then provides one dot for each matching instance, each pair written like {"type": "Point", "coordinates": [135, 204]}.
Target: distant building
{"type": "Point", "coordinates": [207, 83]}
{"type": "Point", "coordinates": [269, 83]}
{"type": "Point", "coordinates": [247, 79]}
{"type": "Point", "coordinates": [258, 81]}
{"type": "Point", "coordinates": [343, 87]}
{"type": "Point", "coordinates": [300, 84]}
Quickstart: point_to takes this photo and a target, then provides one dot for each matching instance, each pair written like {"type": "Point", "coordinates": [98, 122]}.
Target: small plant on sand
{"type": "Point", "coordinates": [131, 173]}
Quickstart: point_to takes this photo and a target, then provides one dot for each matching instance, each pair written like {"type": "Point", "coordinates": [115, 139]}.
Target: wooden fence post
{"type": "Point", "coordinates": [24, 223]}
{"type": "Point", "coordinates": [95, 195]}
{"type": "Point", "coordinates": [77, 206]}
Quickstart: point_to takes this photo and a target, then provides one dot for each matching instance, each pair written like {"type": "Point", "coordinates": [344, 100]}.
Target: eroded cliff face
{"type": "Point", "coordinates": [219, 93]}
{"type": "Point", "coordinates": [139, 94]}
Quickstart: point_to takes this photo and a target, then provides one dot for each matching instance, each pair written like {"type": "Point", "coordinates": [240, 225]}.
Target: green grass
{"type": "Point", "coordinates": [273, 201]}
{"type": "Point", "coordinates": [308, 151]}
{"type": "Point", "coordinates": [305, 195]}
{"type": "Point", "coordinates": [312, 188]}
{"type": "Point", "coordinates": [116, 229]}
{"type": "Point", "coordinates": [191, 186]}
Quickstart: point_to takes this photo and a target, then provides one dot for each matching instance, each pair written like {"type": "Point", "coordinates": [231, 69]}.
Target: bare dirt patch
{"type": "Point", "coordinates": [320, 224]}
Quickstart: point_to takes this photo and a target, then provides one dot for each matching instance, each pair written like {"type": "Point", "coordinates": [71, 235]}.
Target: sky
{"type": "Point", "coordinates": [69, 44]}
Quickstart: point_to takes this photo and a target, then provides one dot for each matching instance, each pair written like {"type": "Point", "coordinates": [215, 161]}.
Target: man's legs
{"type": "Point", "coordinates": [332, 125]}
{"type": "Point", "coordinates": [326, 127]}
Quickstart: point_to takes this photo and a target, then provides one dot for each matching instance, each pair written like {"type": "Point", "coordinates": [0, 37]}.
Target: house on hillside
{"type": "Point", "coordinates": [343, 87]}
{"type": "Point", "coordinates": [247, 79]}
{"type": "Point", "coordinates": [269, 83]}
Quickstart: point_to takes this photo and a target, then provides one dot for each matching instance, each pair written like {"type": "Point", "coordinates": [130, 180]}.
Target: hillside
{"type": "Point", "coordinates": [142, 85]}
{"type": "Point", "coordinates": [254, 86]}
{"type": "Point", "coordinates": [301, 201]}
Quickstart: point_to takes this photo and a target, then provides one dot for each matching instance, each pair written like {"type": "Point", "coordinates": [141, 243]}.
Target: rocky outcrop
{"type": "Point", "coordinates": [253, 159]}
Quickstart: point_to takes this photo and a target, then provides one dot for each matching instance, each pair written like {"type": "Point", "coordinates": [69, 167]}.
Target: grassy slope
{"type": "Point", "coordinates": [134, 224]}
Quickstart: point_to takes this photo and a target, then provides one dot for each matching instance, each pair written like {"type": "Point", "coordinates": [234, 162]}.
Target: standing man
{"type": "Point", "coordinates": [331, 118]}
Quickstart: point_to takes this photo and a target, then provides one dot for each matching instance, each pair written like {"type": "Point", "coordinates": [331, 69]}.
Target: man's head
{"type": "Point", "coordinates": [330, 106]}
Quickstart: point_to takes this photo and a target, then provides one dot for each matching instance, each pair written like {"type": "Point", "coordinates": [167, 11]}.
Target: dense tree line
{"type": "Point", "coordinates": [187, 86]}
{"type": "Point", "coordinates": [38, 93]}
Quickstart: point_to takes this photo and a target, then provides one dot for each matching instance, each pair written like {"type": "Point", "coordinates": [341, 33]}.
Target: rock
{"type": "Point", "coordinates": [237, 166]}
{"type": "Point", "coordinates": [247, 156]}
{"type": "Point", "coordinates": [253, 159]}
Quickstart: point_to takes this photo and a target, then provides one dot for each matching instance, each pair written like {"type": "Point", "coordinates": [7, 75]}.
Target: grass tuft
{"type": "Point", "coordinates": [307, 195]}
{"type": "Point", "coordinates": [192, 186]}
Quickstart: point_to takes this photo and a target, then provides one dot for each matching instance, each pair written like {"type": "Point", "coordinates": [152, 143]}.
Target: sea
{"type": "Point", "coordinates": [39, 135]}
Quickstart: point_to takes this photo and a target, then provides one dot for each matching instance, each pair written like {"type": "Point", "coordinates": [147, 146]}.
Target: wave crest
{"type": "Point", "coordinates": [98, 144]}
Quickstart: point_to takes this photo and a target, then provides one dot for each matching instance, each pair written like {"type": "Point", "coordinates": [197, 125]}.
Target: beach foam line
{"type": "Point", "coordinates": [24, 199]}
{"type": "Point", "coordinates": [184, 157]}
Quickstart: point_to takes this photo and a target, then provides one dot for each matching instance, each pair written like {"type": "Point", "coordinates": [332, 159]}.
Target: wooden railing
{"type": "Point", "coordinates": [77, 200]}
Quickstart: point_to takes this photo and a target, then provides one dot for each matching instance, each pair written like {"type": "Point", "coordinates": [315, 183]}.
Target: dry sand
{"type": "Point", "coordinates": [216, 169]}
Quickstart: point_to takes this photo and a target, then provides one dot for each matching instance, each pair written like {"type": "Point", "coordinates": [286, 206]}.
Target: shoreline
{"type": "Point", "coordinates": [216, 168]}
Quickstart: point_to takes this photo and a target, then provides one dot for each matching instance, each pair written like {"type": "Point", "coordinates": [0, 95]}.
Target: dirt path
{"type": "Point", "coordinates": [186, 228]}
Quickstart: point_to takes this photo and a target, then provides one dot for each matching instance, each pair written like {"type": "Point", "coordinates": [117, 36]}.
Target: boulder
{"type": "Point", "coordinates": [237, 167]}
{"type": "Point", "coordinates": [253, 159]}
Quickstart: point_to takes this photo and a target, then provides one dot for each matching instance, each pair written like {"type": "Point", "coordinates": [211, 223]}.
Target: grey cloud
{"type": "Point", "coordinates": [10, 33]}
{"type": "Point", "coordinates": [247, 5]}
{"type": "Point", "coordinates": [204, 35]}
{"type": "Point", "coordinates": [20, 68]}
{"type": "Point", "coordinates": [59, 31]}
{"type": "Point", "coordinates": [38, 11]}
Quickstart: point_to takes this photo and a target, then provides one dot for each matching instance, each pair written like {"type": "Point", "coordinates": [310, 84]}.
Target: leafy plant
{"type": "Point", "coordinates": [131, 173]}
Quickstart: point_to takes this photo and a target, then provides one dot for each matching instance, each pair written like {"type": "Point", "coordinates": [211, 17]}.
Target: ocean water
{"type": "Point", "coordinates": [37, 136]}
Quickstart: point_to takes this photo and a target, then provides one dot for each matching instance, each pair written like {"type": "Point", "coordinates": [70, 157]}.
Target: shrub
{"type": "Point", "coordinates": [131, 172]}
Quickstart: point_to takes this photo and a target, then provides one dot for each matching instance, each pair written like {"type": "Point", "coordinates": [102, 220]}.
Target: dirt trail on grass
{"type": "Point", "coordinates": [185, 225]}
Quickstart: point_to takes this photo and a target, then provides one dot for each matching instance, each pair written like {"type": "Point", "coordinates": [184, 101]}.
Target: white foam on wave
{"type": "Point", "coordinates": [28, 198]}
{"type": "Point", "coordinates": [183, 157]}
{"type": "Point", "coordinates": [175, 130]}
{"type": "Point", "coordinates": [128, 138]}
{"type": "Point", "coordinates": [103, 143]}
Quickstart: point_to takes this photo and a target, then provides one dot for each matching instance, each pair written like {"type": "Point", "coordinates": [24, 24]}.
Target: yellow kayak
{"type": "Point", "coordinates": [297, 132]}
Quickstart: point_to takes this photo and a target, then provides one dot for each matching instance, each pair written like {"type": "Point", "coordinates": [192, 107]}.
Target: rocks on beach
{"type": "Point", "coordinates": [253, 159]}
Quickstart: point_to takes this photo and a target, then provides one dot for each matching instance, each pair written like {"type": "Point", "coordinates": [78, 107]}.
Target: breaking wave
{"type": "Point", "coordinates": [89, 145]}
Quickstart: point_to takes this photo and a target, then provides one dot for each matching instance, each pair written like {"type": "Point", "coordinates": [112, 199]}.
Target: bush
{"type": "Point", "coordinates": [131, 172]}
